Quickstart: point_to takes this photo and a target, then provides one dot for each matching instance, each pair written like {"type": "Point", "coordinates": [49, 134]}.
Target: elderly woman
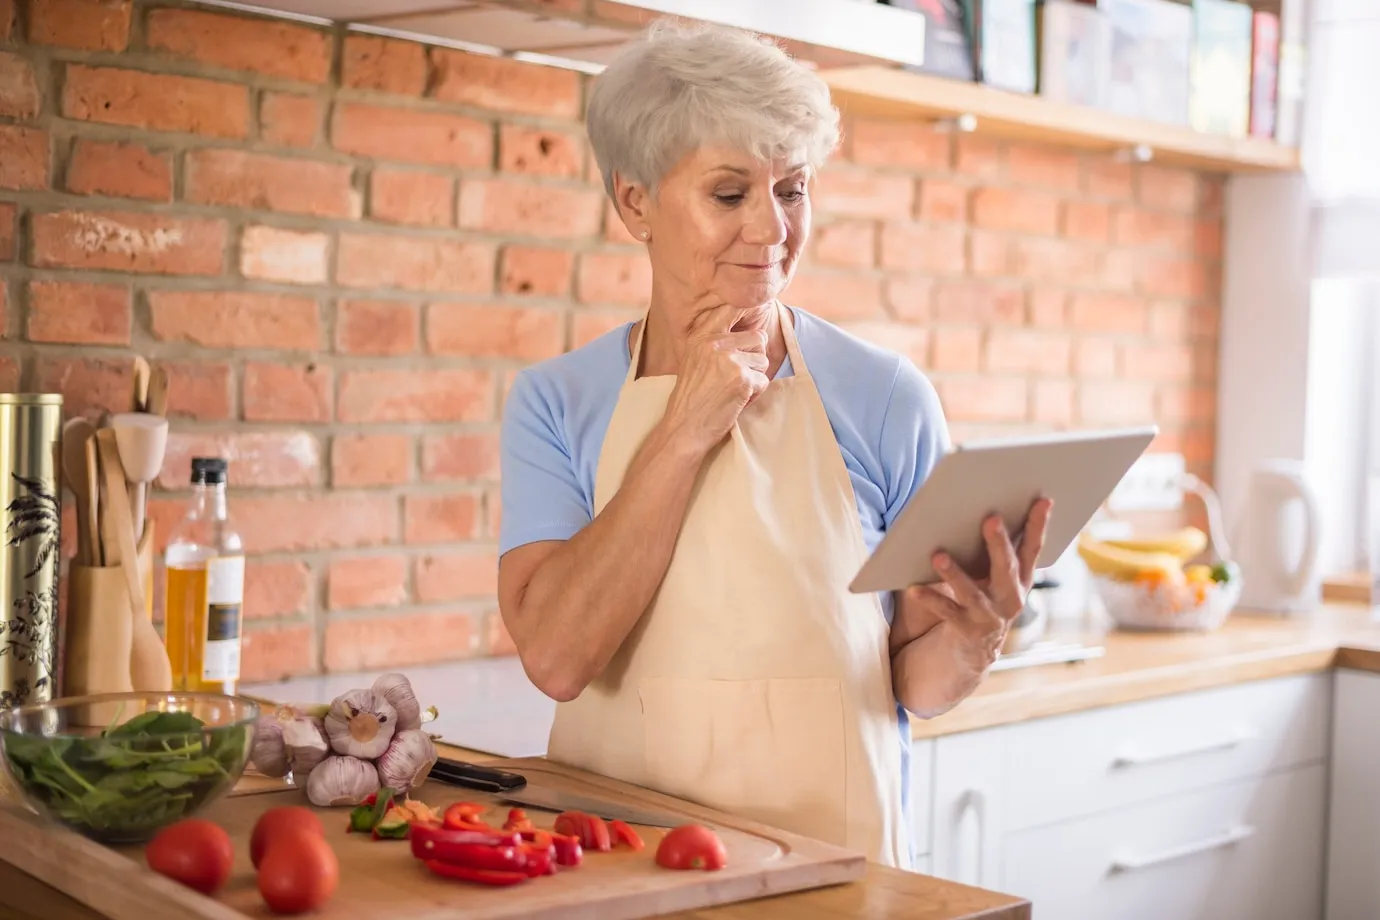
{"type": "Point", "coordinates": [686, 499]}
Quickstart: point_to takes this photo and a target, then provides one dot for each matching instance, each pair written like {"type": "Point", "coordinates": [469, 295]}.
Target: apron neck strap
{"type": "Point", "coordinates": [787, 333]}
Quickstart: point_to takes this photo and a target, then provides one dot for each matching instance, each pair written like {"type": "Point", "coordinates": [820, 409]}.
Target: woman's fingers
{"type": "Point", "coordinates": [973, 604]}
{"type": "Point", "coordinates": [1004, 579]}
{"type": "Point", "coordinates": [931, 599]}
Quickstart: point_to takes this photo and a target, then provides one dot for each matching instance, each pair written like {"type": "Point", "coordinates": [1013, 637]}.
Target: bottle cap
{"type": "Point", "coordinates": [209, 470]}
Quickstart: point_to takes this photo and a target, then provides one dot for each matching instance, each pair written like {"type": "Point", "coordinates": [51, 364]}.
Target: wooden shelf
{"type": "Point", "coordinates": [896, 93]}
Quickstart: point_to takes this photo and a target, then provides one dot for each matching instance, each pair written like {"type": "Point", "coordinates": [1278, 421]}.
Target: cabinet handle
{"type": "Point", "coordinates": [1231, 836]}
{"type": "Point", "coordinates": [975, 800]}
{"type": "Point", "coordinates": [1133, 758]}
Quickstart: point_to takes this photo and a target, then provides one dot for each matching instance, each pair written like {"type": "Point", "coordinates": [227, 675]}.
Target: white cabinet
{"type": "Point", "coordinates": [1353, 868]}
{"type": "Point", "coordinates": [968, 797]}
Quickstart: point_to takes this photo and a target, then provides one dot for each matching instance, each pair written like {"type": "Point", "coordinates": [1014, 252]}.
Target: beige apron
{"type": "Point", "coordinates": [754, 683]}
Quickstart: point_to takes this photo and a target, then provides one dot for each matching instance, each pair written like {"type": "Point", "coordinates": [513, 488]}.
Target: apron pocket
{"type": "Point", "coordinates": [769, 750]}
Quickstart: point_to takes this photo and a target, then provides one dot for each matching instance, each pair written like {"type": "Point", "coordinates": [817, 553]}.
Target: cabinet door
{"type": "Point", "coordinates": [1353, 882]}
{"type": "Point", "coordinates": [967, 817]}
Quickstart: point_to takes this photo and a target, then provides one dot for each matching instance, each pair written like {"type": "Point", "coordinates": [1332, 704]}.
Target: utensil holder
{"type": "Point", "coordinates": [99, 641]}
{"type": "Point", "coordinates": [30, 551]}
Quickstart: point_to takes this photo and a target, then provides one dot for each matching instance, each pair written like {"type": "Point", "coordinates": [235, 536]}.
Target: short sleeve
{"type": "Point", "coordinates": [915, 435]}
{"type": "Point", "coordinates": [541, 494]}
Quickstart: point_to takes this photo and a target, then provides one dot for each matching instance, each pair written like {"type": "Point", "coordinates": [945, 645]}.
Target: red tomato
{"type": "Point", "coordinates": [299, 873]}
{"type": "Point", "coordinates": [691, 846]}
{"type": "Point", "coordinates": [195, 852]}
{"type": "Point", "coordinates": [277, 821]}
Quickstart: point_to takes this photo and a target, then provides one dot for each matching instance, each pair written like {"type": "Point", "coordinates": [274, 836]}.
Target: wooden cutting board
{"type": "Point", "coordinates": [380, 879]}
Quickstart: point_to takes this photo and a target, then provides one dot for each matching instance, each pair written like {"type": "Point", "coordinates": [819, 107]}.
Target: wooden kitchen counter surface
{"type": "Point", "coordinates": [1140, 666]}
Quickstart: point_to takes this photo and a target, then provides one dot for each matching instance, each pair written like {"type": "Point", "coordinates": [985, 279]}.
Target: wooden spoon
{"type": "Point", "coordinates": [158, 392]}
{"type": "Point", "coordinates": [141, 383]}
{"type": "Point", "coordinates": [76, 432]}
{"type": "Point", "coordinates": [143, 440]}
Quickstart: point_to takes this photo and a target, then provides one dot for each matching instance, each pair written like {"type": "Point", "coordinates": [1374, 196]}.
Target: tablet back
{"type": "Point", "coordinates": [1077, 469]}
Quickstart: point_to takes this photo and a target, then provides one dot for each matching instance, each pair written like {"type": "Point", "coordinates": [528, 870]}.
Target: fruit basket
{"type": "Point", "coordinates": [1153, 582]}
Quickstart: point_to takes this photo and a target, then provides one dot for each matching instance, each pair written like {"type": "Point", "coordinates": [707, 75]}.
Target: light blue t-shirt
{"type": "Point", "coordinates": [884, 411]}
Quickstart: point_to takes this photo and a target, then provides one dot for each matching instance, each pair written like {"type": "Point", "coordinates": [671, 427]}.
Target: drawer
{"type": "Point", "coordinates": [1068, 766]}
{"type": "Point", "coordinates": [1249, 850]}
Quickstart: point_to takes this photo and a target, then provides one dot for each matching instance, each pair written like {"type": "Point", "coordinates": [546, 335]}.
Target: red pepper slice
{"type": "Point", "coordinates": [536, 837]}
{"type": "Point", "coordinates": [622, 833]}
{"type": "Point", "coordinates": [568, 850]}
{"type": "Point", "coordinates": [464, 816]}
{"type": "Point", "coordinates": [469, 874]}
{"type": "Point", "coordinates": [430, 842]}
{"type": "Point", "coordinates": [517, 820]}
{"type": "Point", "coordinates": [591, 830]}
{"type": "Point", "coordinates": [539, 860]}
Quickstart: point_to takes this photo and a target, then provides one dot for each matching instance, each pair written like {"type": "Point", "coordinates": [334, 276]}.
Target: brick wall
{"type": "Point", "coordinates": [343, 247]}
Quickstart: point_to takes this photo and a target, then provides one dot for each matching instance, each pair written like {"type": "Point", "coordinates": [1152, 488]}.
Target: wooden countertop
{"type": "Point", "coordinates": [1137, 666]}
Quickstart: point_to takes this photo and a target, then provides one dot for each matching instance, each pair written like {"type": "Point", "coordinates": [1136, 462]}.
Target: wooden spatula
{"type": "Point", "coordinates": [75, 433]}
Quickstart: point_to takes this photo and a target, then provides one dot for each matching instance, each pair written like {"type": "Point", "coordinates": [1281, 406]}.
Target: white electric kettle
{"type": "Point", "coordinates": [1276, 540]}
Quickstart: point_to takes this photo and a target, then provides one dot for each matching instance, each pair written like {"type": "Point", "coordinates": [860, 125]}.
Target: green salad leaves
{"type": "Point", "coordinates": [130, 780]}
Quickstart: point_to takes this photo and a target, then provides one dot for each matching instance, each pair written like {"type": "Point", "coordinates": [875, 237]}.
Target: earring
{"type": "Point", "coordinates": [644, 234]}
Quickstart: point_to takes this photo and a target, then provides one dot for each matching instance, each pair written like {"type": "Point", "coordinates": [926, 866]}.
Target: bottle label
{"type": "Point", "coordinates": [224, 598]}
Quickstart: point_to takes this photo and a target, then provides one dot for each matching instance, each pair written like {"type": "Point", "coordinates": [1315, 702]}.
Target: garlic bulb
{"type": "Point", "coordinates": [397, 690]}
{"type": "Point", "coordinates": [361, 723]}
{"type": "Point", "coordinates": [306, 744]}
{"type": "Point", "coordinates": [268, 753]}
{"type": "Point", "coordinates": [342, 780]}
{"type": "Point", "coordinates": [407, 761]}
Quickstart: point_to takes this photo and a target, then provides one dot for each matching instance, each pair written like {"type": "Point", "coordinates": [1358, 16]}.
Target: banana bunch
{"type": "Point", "coordinates": [1154, 556]}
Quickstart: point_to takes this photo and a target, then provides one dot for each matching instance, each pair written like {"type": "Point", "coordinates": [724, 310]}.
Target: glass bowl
{"type": "Point", "coordinates": [1192, 605]}
{"type": "Point", "coordinates": [119, 767]}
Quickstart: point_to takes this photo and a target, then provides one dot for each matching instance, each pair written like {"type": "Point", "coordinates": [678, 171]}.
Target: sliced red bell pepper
{"type": "Point", "coordinates": [539, 860]}
{"type": "Point", "coordinates": [436, 842]}
{"type": "Point", "coordinates": [517, 820]}
{"type": "Point", "coordinates": [568, 850]}
{"type": "Point", "coordinates": [470, 874]}
{"type": "Point", "coordinates": [591, 830]}
{"type": "Point", "coordinates": [622, 833]}
{"type": "Point", "coordinates": [464, 816]}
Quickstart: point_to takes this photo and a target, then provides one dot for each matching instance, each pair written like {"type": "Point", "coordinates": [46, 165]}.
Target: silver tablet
{"type": "Point", "coordinates": [1078, 469]}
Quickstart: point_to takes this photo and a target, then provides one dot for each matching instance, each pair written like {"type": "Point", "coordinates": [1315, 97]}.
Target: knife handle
{"type": "Point", "coordinates": [460, 773]}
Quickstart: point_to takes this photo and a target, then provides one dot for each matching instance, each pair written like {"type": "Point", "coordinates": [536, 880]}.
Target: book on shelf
{"type": "Point", "coordinates": [1151, 48]}
{"type": "Point", "coordinates": [1264, 72]}
{"type": "Point", "coordinates": [1220, 91]}
{"type": "Point", "coordinates": [948, 50]}
{"type": "Point", "coordinates": [1074, 53]}
{"type": "Point", "coordinates": [1005, 31]}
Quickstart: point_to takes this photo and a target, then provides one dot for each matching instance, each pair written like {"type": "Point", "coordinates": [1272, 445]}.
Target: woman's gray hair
{"type": "Point", "coordinates": [680, 86]}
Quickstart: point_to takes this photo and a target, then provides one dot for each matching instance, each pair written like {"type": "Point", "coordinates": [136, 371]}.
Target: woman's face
{"type": "Point", "coordinates": [726, 224]}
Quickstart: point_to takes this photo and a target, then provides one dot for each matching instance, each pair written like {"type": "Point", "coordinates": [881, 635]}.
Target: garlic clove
{"type": "Point", "coordinates": [268, 752]}
{"type": "Point", "coordinates": [360, 724]}
{"type": "Point", "coordinates": [408, 760]}
{"type": "Point", "coordinates": [306, 744]}
{"type": "Point", "coordinates": [342, 780]}
{"type": "Point", "coordinates": [397, 690]}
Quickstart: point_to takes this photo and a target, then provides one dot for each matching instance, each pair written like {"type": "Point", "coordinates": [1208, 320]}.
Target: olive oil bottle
{"type": "Point", "coordinates": [204, 588]}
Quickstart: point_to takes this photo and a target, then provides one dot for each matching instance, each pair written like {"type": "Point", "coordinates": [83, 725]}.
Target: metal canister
{"type": "Point", "coordinates": [30, 554]}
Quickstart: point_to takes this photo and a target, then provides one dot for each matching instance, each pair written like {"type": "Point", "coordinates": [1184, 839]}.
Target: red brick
{"type": "Point", "coordinates": [255, 180]}
{"type": "Point", "coordinates": [410, 197]}
{"type": "Point", "coordinates": [1106, 179]}
{"type": "Point", "coordinates": [412, 136]}
{"type": "Point", "coordinates": [441, 518]}
{"type": "Point", "coordinates": [910, 299]}
{"type": "Point", "coordinates": [1108, 313]}
{"type": "Point", "coordinates": [1018, 351]}
{"type": "Point", "coordinates": [1116, 402]}
{"type": "Point", "coordinates": [383, 64]}
{"type": "Point", "coordinates": [4, 320]}
{"type": "Point", "coordinates": [1207, 238]}
{"type": "Point", "coordinates": [535, 270]}
{"type": "Point", "coordinates": [79, 314]}
{"type": "Point", "coordinates": [9, 230]}
{"type": "Point", "coordinates": [1085, 220]}
{"type": "Point", "coordinates": [376, 327]}
{"type": "Point", "coordinates": [943, 202]}
{"type": "Point", "coordinates": [976, 155]}
{"type": "Point", "coordinates": [989, 254]}
{"type": "Point", "coordinates": [1121, 268]}
{"type": "Point", "coordinates": [1174, 276]}
{"type": "Point", "coordinates": [269, 47]}
{"type": "Point", "coordinates": [88, 385]}
{"type": "Point", "coordinates": [1015, 209]}
{"type": "Point", "coordinates": [414, 263]}
{"type": "Point", "coordinates": [198, 390]}
{"type": "Point", "coordinates": [899, 145]}
{"type": "Point", "coordinates": [1186, 404]}
{"type": "Point", "coordinates": [902, 338]}
{"type": "Point", "coordinates": [448, 395]}
{"type": "Point", "coordinates": [978, 302]}
{"type": "Point", "coordinates": [1047, 307]}
{"type": "Point", "coordinates": [494, 331]}
{"type": "Point", "coordinates": [289, 256]}
{"type": "Point", "coordinates": [366, 581]}
{"type": "Point", "coordinates": [277, 653]}
{"type": "Point", "coordinates": [155, 102]}
{"type": "Point", "coordinates": [289, 120]}
{"type": "Point", "coordinates": [370, 460]}
{"type": "Point", "coordinates": [588, 325]}
{"type": "Point", "coordinates": [847, 243]}
{"type": "Point", "coordinates": [90, 25]}
{"type": "Point", "coordinates": [9, 378]}
{"type": "Point", "coordinates": [1173, 189]}
{"type": "Point", "coordinates": [538, 151]}
{"type": "Point", "coordinates": [1094, 358]}
{"type": "Point", "coordinates": [297, 523]}
{"type": "Point", "coordinates": [1055, 260]}
{"type": "Point", "coordinates": [399, 640]}
{"type": "Point", "coordinates": [258, 459]}
{"type": "Point", "coordinates": [235, 319]}
{"type": "Point", "coordinates": [441, 577]}
{"type": "Point", "coordinates": [984, 399]}
{"type": "Point", "coordinates": [836, 296]}
{"type": "Point", "coordinates": [125, 241]}
{"type": "Point", "coordinates": [1043, 167]}
{"type": "Point", "coordinates": [504, 84]}
{"type": "Point", "coordinates": [24, 157]}
{"type": "Point", "coordinates": [937, 249]}
{"type": "Point", "coordinates": [864, 193]}
{"type": "Point", "coordinates": [471, 455]}
{"type": "Point", "coordinates": [956, 348]}
{"type": "Point", "coordinates": [1139, 227]}
{"type": "Point", "coordinates": [122, 170]}
{"type": "Point", "coordinates": [1052, 402]}
{"type": "Point", "coordinates": [286, 393]}
{"type": "Point", "coordinates": [1171, 320]}
{"type": "Point", "coordinates": [514, 206]}
{"type": "Point", "coordinates": [1205, 320]}
{"type": "Point", "coordinates": [622, 278]}
{"type": "Point", "coordinates": [1157, 361]}
{"type": "Point", "coordinates": [6, 19]}
{"type": "Point", "coordinates": [19, 95]}
{"type": "Point", "coordinates": [275, 589]}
